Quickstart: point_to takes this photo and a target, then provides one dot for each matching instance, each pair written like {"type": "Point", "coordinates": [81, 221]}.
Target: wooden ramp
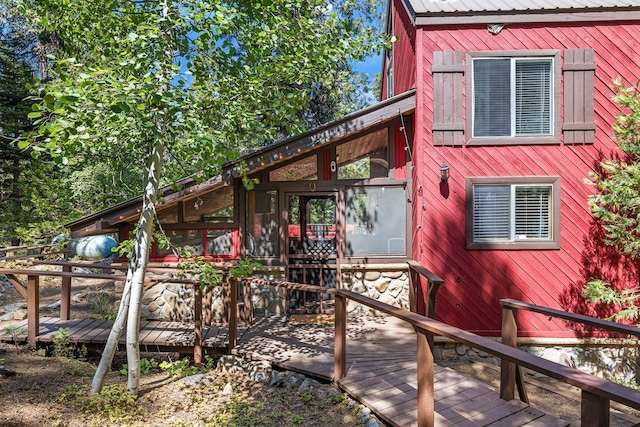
{"type": "Point", "coordinates": [381, 360]}
{"type": "Point", "coordinates": [381, 364]}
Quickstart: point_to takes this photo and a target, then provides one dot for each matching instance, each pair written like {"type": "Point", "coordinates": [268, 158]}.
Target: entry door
{"type": "Point", "coordinates": [311, 249]}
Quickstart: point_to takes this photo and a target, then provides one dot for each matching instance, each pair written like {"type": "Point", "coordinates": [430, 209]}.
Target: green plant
{"type": "Point", "coordinates": [179, 368]}
{"type": "Point", "coordinates": [297, 419]}
{"type": "Point", "coordinates": [102, 306]}
{"type": "Point", "coordinates": [114, 404]}
{"type": "Point", "coordinates": [307, 397]}
{"type": "Point", "coordinates": [61, 345]}
{"type": "Point", "coordinates": [340, 397]}
{"type": "Point", "coordinates": [14, 332]}
{"type": "Point", "coordinates": [146, 365]}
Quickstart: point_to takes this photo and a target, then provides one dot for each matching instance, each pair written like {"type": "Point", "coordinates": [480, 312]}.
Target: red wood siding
{"type": "Point", "coordinates": [476, 280]}
{"type": "Point", "coordinates": [404, 54]}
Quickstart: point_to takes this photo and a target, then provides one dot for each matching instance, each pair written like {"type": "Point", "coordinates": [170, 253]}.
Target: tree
{"type": "Point", "coordinates": [617, 204]}
{"type": "Point", "coordinates": [186, 83]}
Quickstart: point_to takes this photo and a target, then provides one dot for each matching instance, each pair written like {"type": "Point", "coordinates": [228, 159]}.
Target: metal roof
{"type": "Point", "coordinates": [456, 12]}
{"type": "Point", "coordinates": [466, 6]}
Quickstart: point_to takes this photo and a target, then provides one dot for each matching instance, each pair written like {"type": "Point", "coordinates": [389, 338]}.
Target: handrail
{"type": "Point", "coordinates": [598, 407]}
{"type": "Point", "coordinates": [596, 392]}
{"type": "Point", "coordinates": [573, 317]}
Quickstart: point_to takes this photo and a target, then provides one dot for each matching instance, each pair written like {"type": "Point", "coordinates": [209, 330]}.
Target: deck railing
{"type": "Point", "coordinates": [596, 392]}
{"type": "Point", "coordinates": [511, 375]}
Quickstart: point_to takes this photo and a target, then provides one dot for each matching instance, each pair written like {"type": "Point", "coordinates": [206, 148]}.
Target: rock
{"type": "Point", "coordinates": [77, 298]}
{"type": "Point", "coordinates": [259, 377]}
{"type": "Point", "coordinates": [372, 276]}
{"type": "Point", "coordinates": [20, 314]}
{"type": "Point", "coordinates": [196, 380]}
{"type": "Point", "coordinates": [307, 385]}
{"type": "Point", "coordinates": [229, 364]}
{"type": "Point", "coordinates": [277, 379]}
{"type": "Point", "coordinates": [16, 306]}
{"type": "Point", "coordinates": [227, 390]}
{"type": "Point", "coordinates": [55, 305]}
{"type": "Point", "coordinates": [382, 284]}
{"type": "Point", "coordinates": [372, 422]}
{"type": "Point", "coordinates": [393, 274]}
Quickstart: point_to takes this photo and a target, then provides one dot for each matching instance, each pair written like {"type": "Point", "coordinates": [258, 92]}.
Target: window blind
{"type": "Point", "coordinates": [492, 94]}
{"type": "Point", "coordinates": [491, 204]}
{"type": "Point", "coordinates": [533, 97]}
{"type": "Point", "coordinates": [532, 212]}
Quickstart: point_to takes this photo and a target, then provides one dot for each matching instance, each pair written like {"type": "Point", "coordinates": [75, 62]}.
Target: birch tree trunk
{"type": "Point", "coordinates": [141, 249]}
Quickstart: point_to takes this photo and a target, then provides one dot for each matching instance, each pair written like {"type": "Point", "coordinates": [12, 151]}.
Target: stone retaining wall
{"type": "Point", "coordinates": [606, 358]}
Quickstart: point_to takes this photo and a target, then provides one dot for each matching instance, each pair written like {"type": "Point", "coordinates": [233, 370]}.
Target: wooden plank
{"type": "Point", "coordinates": [522, 417]}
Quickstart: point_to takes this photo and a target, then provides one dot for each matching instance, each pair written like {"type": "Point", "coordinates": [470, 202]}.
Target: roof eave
{"type": "Point", "coordinates": [524, 17]}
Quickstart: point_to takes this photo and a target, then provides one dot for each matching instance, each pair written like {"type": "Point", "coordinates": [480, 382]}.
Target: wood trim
{"type": "Point", "coordinates": [515, 140]}
{"type": "Point", "coordinates": [579, 75]}
{"type": "Point", "coordinates": [553, 244]}
{"type": "Point", "coordinates": [448, 71]}
{"type": "Point", "coordinates": [422, 19]}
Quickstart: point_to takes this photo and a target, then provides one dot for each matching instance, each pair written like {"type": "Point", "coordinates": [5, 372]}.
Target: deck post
{"type": "Point", "coordinates": [340, 337]}
{"type": "Point", "coordinates": [425, 370]}
{"type": "Point", "coordinates": [248, 303]}
{"type": "Point", "coordinates": [207, 299]}
{"type": "Point", "coordinates": [594, 411]}
{"type": "Point", "coordinates": [197, 325]}
{"type": "Point", "coordinates": [414, 281]}
{"type": "Point", "coordinates": [233, 312]}
{"type": "Point", "coordinates": [509, 337]}
{"type": "Point", "coordinates": [33, 308]}
{"type": "Point", "coordinates": [65, 295]}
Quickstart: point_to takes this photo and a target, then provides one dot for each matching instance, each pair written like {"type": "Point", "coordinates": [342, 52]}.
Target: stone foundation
{"type": "Point", "coordinates": [387, 283]}
{"type": "Point", "coordinates": [605, 358]}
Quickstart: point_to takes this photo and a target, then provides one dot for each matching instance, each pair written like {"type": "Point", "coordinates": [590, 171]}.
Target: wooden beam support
{"type": "Point", "coordinates": [197, 325]}
{"type": "Point", "coordinates": [508, 369]}
{"type": "Point", "coordinates": [33, 309]}
{"type": "Point", "coordinates": [65, 295]}
{"type": "Point", "coordinates": [594, 411]}
{"type": "Point", "coordinates": [22, 290]}
{"type": "Point", "coordinates": [340, 339]}
{"type": "Point", "coordinates": [233, 312]}
{"type": "Point", "coordinates": [426, 400]}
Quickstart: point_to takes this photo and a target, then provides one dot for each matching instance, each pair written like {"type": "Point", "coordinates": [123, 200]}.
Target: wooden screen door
{"type": "Point", "coordinates": [311, 249]}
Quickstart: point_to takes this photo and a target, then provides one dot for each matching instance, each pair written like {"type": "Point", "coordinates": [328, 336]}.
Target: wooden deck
{"type": "Point", "coordinates": [381, 369]}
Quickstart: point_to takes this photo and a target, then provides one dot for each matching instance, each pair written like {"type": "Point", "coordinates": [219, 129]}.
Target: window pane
{"type": "Point", "coordinates": [533, 97]}
{"type": "Point", "coordinates": [533, 212]}
{"type": "Point", "coordinates": [218, 242]}
{"type": "Point", "coordinates": [262, 234]}
{"type": "Point", "coordinates": [188, 240]}
{"type": "Point", "coordinates": [302, 170]}
{"type": "Point", "coordinates": [492, 97]}
{"type": "Point", "coordinates": [491, 212]}
{"type": "Point", "coordinates": [376, 221]}
{"type": "Point", "coordinates": [364, 157]}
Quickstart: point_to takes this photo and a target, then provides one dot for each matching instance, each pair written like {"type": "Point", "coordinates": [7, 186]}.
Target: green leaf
{"type": "Point", "coordinates": [34, 115]}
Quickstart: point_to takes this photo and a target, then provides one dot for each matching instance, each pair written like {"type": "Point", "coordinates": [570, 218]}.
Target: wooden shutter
{"type": "Point", "coordinates": [448, 123]}
{"type": "Point", "coordinates": [579, 70]}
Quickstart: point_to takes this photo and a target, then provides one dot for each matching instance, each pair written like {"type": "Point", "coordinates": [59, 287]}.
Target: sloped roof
{"type": "Point", "coordinates": [441, 12]}
{"type": "Point", "coordinates": [359, 122]}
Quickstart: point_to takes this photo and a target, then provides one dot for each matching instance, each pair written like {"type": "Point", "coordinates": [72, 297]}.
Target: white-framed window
{"type": "Point", "coordinates": [516, 213]}
{"type": "Point", "coordinates": [513, 97]}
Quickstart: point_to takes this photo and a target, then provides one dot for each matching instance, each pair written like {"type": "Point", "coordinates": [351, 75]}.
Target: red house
{"type": "Point", "coordinates": [474, 163]}
{"type": "Point", "coordinates": [515, 98]}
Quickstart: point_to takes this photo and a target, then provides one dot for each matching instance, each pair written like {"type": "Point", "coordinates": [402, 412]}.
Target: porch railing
{"type": "Point", "coordinates": [596, 392]}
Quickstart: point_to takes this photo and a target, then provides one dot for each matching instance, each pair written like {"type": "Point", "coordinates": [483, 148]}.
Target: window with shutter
{"type": "Point", "coordinates": [513, 213]}
{"type": "Point", "coordinates": [514, 97]}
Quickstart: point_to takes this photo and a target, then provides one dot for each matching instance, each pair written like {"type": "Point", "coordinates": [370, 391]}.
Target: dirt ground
{"type": "Point", "coordinates": [46, 390]}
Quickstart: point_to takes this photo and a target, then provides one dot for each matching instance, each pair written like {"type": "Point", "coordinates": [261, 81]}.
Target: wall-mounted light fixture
{"type": "Point", "coordinates": [444, 173]}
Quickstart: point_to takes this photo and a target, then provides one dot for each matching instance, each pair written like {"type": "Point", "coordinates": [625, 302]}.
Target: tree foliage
{"type": "Point", "coordinates": [617, 204]}
{"type": "Point", "coordinates": [188, 84]}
